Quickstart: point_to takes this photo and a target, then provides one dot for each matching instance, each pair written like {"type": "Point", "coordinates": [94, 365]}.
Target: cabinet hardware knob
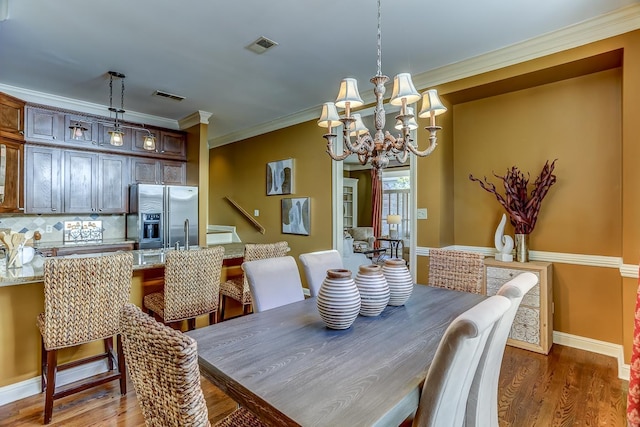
{"type": "Point", "coordinates": [53, 209]}
{"type": "Point", "coordinates": [21, 132]}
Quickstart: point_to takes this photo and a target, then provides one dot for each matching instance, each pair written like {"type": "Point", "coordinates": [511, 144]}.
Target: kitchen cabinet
{"type": "Point", "coordinates": [95, 183]}
{"type": "Point", "coordinates": [90, 137]}
{"type": "Point", "coordinates": [533, 325]}
{"type": "Point", "coordinates": [104, 138]}
{"type": "Point", "coordinates": [11, 198]}
{"type": "Point", "coordinates": [43, 180]}
{"type": "Point", "coordinates": [11, 117]}
{"type": "Point", "coordinates": [44, 125]}
{"type": "Point", "coordinates": [155, 171]}
{"type": "Point", "coordinates": [68, 181]}
{"type": "Point", "coordinates": [169, 144]}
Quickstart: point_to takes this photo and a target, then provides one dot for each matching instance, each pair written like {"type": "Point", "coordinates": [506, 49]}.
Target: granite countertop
{"type": "Point", "coordinates": [142, 259]}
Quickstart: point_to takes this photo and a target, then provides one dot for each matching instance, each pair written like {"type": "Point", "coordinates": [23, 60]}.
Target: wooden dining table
{"type": "Point", "coordinates": [288, 368]}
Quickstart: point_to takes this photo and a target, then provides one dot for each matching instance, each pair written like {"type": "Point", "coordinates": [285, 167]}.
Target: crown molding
{"type": "Point", "coordinates": [199, 117]}
{"type": "Point", "coordinates": [604, 26]}
{"type": "Point", "coordinates": [62, 102]}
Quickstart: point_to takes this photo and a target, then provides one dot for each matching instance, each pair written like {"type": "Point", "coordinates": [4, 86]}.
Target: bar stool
{"type": "Point", "coordinates": [237, 288]}
{"type": "Point", "coordinates": [83, 298]}
{"type": "Point", "coordinates": [191, 286]}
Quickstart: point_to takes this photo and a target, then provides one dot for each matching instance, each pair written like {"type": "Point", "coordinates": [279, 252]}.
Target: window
{"type": "Point", "coordinates": [395, 200]}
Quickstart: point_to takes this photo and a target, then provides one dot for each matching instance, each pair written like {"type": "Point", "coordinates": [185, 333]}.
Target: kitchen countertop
{"type": "Point", "coordinates": [142, 259]}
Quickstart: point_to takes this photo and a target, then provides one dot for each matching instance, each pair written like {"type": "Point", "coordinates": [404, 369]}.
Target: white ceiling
{"type": "Point", "coordinates": [196, 49]}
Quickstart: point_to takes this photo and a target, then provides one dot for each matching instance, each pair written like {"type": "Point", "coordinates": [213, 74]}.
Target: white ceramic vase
{"type": "Point", "coordinates": [338, 299]}
{"type": "Point", "coordinates": [373, 288]}
{"type": "Point", "coordinates": [399, 280]}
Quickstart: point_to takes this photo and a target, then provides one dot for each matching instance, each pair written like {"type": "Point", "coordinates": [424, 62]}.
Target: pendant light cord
{"type": "Point", "coordinates": [379, 42]}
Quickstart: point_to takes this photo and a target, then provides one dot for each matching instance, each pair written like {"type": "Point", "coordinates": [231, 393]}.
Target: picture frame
{"type": "Point", "coordinates": [280, 177]}
{"type": "Point", "coordinates": [296, 215]}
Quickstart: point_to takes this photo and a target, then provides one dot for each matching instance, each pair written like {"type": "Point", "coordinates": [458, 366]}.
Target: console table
{"type": "Point", "coordinates": [533, 325]}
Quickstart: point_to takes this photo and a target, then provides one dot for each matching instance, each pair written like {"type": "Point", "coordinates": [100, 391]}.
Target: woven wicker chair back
{"type": "Point", "coordinates": [457, 270]}
{"type": "Point", "coordinates": [192, 283]}
{"type": "Point", "coordinates": [83, 298]}
{"type": "Point", "coordinates": [163, 366]}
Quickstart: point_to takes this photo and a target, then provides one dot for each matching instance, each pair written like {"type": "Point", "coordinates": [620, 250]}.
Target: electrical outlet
{"type": "Point", "coordinates": [256, 212]}
{"type": "Point", "coordinates": [422, 213]}
{"type": "Point", "coordinates": [49, 229]}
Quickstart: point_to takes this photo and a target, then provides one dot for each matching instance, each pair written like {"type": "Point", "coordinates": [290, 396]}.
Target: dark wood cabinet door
{"type": "Point", "coordinates": [43, 180]}
{"type": "Point", "coordinates": [80, 182]}
{"type": "Point", "coordinates": [11, 117]}
{"type": "Point", "coordinates": [44, 125]}
{"type": "Point", "coordinates": [12, 198]}
{"type": "Point", "coordinates": [144, 171]}
{"type": "Point", "coordinates": [173, 144]}
{"type": "Point", "coordinates": [113, 180]}
{"type": "Point", "coordinates": [173, 173]}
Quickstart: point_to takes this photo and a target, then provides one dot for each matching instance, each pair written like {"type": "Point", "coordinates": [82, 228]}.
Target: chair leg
{"type": "Point", "coordinates": [213, 317]}
{"type": "Point", "coordinates": [223, 299]}
{"type": "Point", "coordinates": [52, 364]}
{"type": "Point", "coordinates": [191, 324]}
{"type": "Point", "coordinates": [122, 367]}
{"type": "Point", "coordinates": [108, 349]}
{"type": "Point", "coordinates": [43, 365]}
{"type": "Point", "coordinates": [246, 309]}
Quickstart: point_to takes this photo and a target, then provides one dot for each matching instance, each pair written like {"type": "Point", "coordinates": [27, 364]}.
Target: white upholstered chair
{"type": "Point", "coordinates": [316, 264]}
{"type": "Point", "coordinates": [273, 282]}
{"type": "Point", "coordinates": [445, 390]}
{"type": "Point", "coordinates": [482, 405]}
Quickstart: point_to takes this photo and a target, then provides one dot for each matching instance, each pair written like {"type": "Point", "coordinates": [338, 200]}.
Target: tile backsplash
{"type": "Point", "coordinates": [114, 226]}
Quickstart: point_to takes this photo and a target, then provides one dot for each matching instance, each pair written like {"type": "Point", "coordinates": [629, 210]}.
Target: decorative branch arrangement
{"type": "Point", "coordinates": [521, 207]}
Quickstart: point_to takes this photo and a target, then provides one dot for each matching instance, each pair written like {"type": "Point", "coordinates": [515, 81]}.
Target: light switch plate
{"type": "Point", "coordinates": [256, 212]}
{"type": "Point", "coordinates": [422, 213]}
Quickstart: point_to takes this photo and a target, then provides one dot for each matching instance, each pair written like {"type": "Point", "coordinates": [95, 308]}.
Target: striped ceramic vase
{"type": "Point", "coordinates": [374, 291]}
{"type": "Point", "coordinates": [338, 299]}
{"type": "Point", "coordinates": [399, 280]}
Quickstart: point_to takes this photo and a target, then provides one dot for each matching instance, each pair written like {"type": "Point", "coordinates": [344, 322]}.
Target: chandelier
{"type": "Point", "coordinates": [116, 136]}
{"type": "Point", "coordinates": [383, 146]}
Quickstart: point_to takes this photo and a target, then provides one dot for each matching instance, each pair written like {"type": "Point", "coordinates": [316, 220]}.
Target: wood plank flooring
{"type": "Point", "coordinates": [569, 387]}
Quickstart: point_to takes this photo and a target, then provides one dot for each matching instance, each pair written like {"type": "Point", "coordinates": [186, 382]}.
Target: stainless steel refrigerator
{"type": "Point", "coordinates": [161, 216]}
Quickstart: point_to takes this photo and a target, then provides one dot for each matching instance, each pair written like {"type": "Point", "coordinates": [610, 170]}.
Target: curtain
{"type": "Point", "coordinates": [376, 204]}
{"type": "Point", "coordinates": [633, 397]}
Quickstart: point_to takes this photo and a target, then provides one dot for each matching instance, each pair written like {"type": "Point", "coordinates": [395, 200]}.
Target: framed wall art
{"type": "Point", "coordinates": [280, 177]}
{"type": "Point", "coordinates": [295, 216]}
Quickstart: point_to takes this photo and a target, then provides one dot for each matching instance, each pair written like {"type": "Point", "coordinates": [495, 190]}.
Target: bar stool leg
{"type": "Point", "coordinates": [43, 364]}
{"type": "Point", "coordinates": [52, 364]}
{"type": "Point", "coordinates": [122, 368]}
{"type": "Point", "coordinates": [223, 299]}
{"type": "Point", "coordinates": [108, 349]}
{"type": "Point", "coordinates": [213, 317]}
{"type": "Point", "coordinates": [191, 324]}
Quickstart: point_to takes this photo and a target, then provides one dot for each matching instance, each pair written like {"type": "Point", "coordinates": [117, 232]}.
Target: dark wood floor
{"type": "Point", "coordinates": [569, 387]}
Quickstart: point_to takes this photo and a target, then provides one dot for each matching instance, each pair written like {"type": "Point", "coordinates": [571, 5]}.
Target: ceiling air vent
{"type": "Point", "coordinates": [169, 95]}
{"type": "Point", "coordinates": [261, 45]}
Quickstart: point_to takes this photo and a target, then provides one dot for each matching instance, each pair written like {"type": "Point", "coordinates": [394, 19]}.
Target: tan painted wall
{"type": "Point", "coordinates": [239, 171]}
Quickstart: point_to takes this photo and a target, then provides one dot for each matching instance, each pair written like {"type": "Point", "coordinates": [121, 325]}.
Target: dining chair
{"type": "Point", "coordinates": [237, 288]}
{"type": "Point", "coordinates": [316, 264]}
{"type": "Point", "coordinates": [163, 366]}
{"type": "Point", "coordinates": [273, 282]}
{"type": "Point", "coordinates": [191, 286]}
{"type": "Point", "coordinates": [482, 405]}
{"type": "Point", "coordinates": [82, 302]}
{"type": "Point", "coordinates": [457, 270]}
{"type": "Point", "coordinates": [446, 388]}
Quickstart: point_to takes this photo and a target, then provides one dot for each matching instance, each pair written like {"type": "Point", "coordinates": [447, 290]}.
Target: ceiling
{"type": "Point", "coordinates": [198, 49]}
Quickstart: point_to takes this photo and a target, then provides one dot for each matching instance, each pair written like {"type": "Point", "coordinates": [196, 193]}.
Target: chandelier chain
{"type": "Point", "coordinates": [379, 41]}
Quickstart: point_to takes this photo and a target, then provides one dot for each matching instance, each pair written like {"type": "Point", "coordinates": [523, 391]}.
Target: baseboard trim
{"type": "Point", "coordinates": [595, 346]}
{"type": "Point", "coordinates": [31, 387]}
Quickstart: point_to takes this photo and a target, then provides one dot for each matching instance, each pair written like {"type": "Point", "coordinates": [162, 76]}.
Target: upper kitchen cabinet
{"type": "Point", "coordinates": [11, 117]}
{"type": "Point", "coordinates": [153, 171]}
{"type": "Point", "coordinates": [169, 144]}
{"type": "Point", "coordinates": [44, 125]}
{"type": "Point", "coordinates": [43, 180]}
{"type": "Point", "coordinates": [89, 135]}
{"type": "Point", "coordinates": [104, 137]}
{"type": "Point", "coordinates": [11, 176]}
{"type": "Point", "coordinates": [95, 183]}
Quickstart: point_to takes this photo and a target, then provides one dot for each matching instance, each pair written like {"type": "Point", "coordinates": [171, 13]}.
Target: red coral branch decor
{"type": "Point", "coordinates": [522, 207]}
